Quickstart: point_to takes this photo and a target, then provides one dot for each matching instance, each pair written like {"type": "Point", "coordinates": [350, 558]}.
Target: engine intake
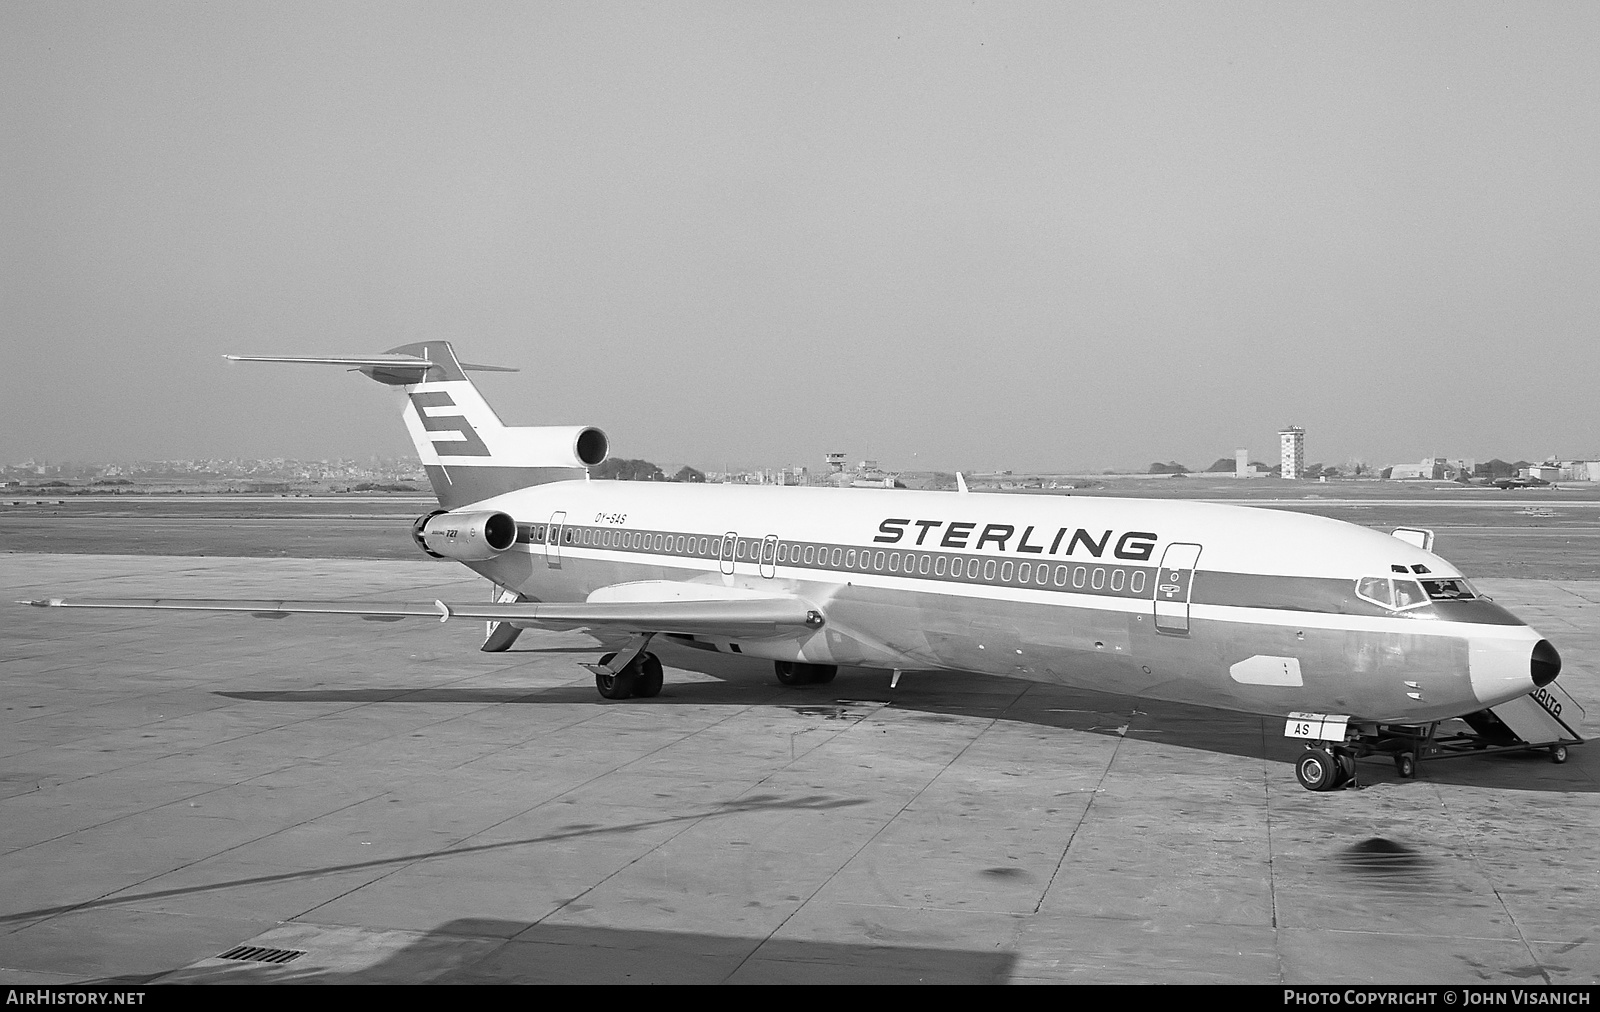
{"type": "Point", "coordinates": [553, 446]}
{"type": "Point", "coordinates": [591, 446]}
{"type": "Point", "coordinates": [464, 537]}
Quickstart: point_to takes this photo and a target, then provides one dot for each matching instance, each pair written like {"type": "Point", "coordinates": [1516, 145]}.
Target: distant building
{"type": "Point", "coordinates": [1292, 446]}
{"type": "Point", "coordinates": [1433, 469]}
{"type": "Point", "coordinates": [1243, 468]}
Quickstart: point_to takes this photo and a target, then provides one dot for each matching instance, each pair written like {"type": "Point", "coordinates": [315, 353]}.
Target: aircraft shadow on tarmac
{"type": "Point", "coordinates": [493, 951]}
{"type": "Point", "coordinates": [952, 696]}
{"type": "Point", "coordinates": [560, 834]}
{"type": "Point", "coordinates": [482, 950]}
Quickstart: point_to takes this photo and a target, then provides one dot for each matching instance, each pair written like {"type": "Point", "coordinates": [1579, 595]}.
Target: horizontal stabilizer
{"type": "Point", "coordinates": [732, 618]}
{"type": "Point", "coordinates": [408, 368]}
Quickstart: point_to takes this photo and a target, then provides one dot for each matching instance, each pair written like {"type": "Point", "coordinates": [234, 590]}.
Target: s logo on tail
{"type": "Point", "coordinates": [469, 445]}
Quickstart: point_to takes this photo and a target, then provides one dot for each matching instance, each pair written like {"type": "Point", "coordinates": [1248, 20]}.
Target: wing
{"type": "Point", "coordinates": [735, 617]}
{"type": "Point", "coordinates": [377, 611]}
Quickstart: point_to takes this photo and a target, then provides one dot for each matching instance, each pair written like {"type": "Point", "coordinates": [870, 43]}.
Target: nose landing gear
{"type": "Point", "coordinates": [1329, 761]}
{"type": "Point", "coordinates": [1326, 768]}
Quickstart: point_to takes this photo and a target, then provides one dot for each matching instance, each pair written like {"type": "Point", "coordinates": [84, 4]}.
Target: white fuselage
{"type": "Point", "coordinates": [1242, 608]}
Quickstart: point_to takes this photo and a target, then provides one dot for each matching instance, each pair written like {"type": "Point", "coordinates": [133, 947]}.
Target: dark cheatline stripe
{"type": "Point", "coordinates": [1481, 611]}
{"type": "Point", "coordinates": [1094, 577]}
{"type": "Point", "coordinates": [458, 485]}
{"type": "Point", "coordinates": [1282, 593]}
{"type": "Point", "coordinates": [1100, 578]}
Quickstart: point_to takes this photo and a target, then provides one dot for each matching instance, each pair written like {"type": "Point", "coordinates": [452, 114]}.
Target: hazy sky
{"type": "Point", "coordinates": [980, 235]}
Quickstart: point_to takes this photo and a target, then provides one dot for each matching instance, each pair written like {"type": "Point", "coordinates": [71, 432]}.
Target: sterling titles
{"type": "Point", "coordinates": [1132, 546]}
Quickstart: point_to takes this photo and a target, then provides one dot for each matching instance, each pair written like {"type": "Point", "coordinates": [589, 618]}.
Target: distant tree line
{"type": "Point", "coordinates": [1227, 465]}
{"type": "Point", "coordinates": [382, 486]}
{"type": "Point", "coordinates": [625, 469]}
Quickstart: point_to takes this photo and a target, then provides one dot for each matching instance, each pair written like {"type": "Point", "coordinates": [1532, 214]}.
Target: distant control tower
{"type": "Point", "coordinates": [1292, 441]}
{"type": "Point", "coordinates": [835, 463]}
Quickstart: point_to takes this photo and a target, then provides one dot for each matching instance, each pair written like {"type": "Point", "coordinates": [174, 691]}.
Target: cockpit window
{"type": "Point", "coordinates": [1407, 594]}
{"type": "Point", "coordinates": [1448, 590]}
{"type": "Point", "coordinates": [1376, 590]}
{"type": "Point", "coordinates": [1396, 594]}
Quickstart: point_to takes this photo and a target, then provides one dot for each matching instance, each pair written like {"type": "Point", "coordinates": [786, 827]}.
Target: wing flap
{"type": "Point", "coordinates": [661, 591]}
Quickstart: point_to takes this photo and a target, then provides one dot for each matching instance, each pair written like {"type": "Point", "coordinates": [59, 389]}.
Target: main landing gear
{"type": "Point", "coordinates": [799, 673]}
{"type": "Point", "coordinates": [642, 677]}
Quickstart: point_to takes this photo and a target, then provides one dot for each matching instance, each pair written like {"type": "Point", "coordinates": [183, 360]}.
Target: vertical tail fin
{"type": "Point", "coordinates": [468, 452]}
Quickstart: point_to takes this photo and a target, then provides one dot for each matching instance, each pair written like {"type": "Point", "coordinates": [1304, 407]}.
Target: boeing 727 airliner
{"type": "Point", "coordinates": [1355, 637]}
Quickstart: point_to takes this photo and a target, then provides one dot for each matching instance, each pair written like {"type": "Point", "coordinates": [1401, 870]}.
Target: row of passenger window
{"type": "Point", "coordinates": [1121, 580]}
{"type": "Point", "coordinates": [671, 544]}
{"type": "Point", "coordinates": [600, 537]}
{"type": "Point", "coordinates": [640, 541]}
{"type": "Point", "coordinates": [1116, 579]}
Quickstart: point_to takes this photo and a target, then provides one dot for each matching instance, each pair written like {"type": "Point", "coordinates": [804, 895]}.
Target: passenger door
{"type": "Point", "coordinates": [1174, 582]}
{"type": "Point", "coordinates": [552, 539]}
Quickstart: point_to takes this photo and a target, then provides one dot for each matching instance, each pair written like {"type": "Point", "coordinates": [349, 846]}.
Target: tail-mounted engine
{"type": "Point", "coordinates": [464, 537]}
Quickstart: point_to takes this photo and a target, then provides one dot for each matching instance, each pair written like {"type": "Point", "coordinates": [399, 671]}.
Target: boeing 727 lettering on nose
{"type": "Point", "coordinates": [1360, 641]}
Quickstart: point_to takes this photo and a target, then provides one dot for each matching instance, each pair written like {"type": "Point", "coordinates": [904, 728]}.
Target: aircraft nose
{"type": "Point", "coordinates": [1546, 663]}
